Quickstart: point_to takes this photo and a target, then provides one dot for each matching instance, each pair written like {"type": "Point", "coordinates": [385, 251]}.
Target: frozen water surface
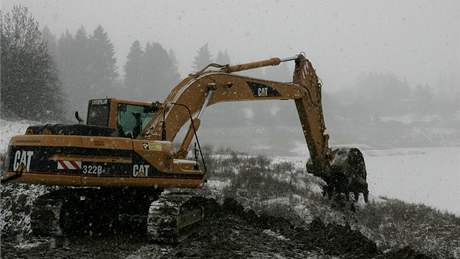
{"type": "Point", "coordinates": [420, 175]}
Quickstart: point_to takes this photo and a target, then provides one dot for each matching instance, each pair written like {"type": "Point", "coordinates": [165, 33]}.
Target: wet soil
{"type": "Point", "coordinates": [228, 231]}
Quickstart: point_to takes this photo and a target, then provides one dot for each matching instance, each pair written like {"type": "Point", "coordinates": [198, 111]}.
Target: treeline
{"type": "Point", "coordinates": [87, 67]}
{"type": "Point", "coordinates": [82, 65]}
{"type": "Point", "coordinates": [47, 77]}
{"type": "Point", "coordinates": [383, 110]}
{"type": "Point", "coordinates": [385, 96]}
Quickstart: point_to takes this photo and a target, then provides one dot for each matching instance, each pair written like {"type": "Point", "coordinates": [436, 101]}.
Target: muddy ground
{"type": "Point", "coordinates": [228, 231]}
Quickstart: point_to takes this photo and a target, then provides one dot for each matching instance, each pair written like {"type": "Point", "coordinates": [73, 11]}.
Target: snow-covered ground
{"type": "Point", "coordinates": [421, 175]}
{"type": "Point", "coordinates": [9, 129]}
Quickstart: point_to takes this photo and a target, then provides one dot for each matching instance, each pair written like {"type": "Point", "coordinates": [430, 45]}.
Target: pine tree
{"type": "Point", "coordinates": [173, 58]}
{"type": "Point", "coordinates": [80, 58]}
{"type": "Point", "coordinates": [51, 42]}
{"type": "Point", "coordinates": [222, 58]}
{"type": "Point", "coordinates": [148, 77]}
{"type": "Point", "coordinates": [133, 69]}
{"type": "Point", "coordinates": [30, 87]}
{"type": "Point", "coordinates": [63, 60]}
{"type": "Point", "coordinates": [159, 72]}
{"type": "Point", "coordinates": [202, 58]}
{"type": "Point", "coordinates": [102, 66]}
{"type": "Point", "coordinates": [73, 59]}
{"type": "Point", "coordinates": [172, 73]}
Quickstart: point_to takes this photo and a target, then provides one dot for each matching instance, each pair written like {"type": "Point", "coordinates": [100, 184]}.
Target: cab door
{"type": "Point", "coordinates": [131, 119]}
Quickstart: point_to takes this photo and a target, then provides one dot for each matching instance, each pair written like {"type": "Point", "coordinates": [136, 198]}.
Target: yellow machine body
{"type": "Point", "coordinates": [52, 155]}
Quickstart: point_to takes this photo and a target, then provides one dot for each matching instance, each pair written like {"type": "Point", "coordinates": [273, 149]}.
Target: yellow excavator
{"type": "Point", "coordinates": [122, 163]}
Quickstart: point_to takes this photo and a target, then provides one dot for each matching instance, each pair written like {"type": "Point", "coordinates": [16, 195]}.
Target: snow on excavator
{"type": "Point", "coordinates": [121, 163]}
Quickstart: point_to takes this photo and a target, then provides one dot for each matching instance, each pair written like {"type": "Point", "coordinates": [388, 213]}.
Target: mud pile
{"type": "Point", "coordinates": [231, 231]}
{"type": "Point", "coordinates": [228, 231]}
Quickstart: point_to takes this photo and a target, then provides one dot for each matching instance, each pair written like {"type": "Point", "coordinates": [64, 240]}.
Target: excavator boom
{"type": "Point", "coordinates": [211, 86]}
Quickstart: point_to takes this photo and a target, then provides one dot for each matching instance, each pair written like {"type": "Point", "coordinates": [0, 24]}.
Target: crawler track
{"type": "Point", "coordinates": [172, 217]}
{"type": "Point", "coordinates": [90, 210]}
{"type": "Point", "coordinates": [46, 217]}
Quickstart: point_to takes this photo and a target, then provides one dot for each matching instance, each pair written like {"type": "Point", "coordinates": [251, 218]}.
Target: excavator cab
{"type": "Point", "coordinates": [132, 118]}
{"type": "Point", "coordinates": [108, 117]}
{"type": "Point", "coordinates": [128, 118]}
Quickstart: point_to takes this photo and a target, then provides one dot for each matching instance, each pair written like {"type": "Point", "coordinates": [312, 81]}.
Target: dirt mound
{"type": "Point", "coordinates": [228, 231]}
{"type": "Point", "coordinates": [405, 252]}
{"type": "Point", "coordinates": [231, 231]}
{"type": "Point", "coordinates": [338, 240]}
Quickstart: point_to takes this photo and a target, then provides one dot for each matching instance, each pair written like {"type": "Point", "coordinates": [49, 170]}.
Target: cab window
{"type": "Point", "coordinates": [98, 112]}
{"type": "Point", "coordinates": [132, 119]}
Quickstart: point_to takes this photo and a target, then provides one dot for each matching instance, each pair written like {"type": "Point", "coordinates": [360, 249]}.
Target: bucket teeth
{"type": "Point", "coordinates": [347, 174]}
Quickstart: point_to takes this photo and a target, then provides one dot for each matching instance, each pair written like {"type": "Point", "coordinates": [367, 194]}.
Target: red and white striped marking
{"type": "Point", "coordinates": [68, 165]}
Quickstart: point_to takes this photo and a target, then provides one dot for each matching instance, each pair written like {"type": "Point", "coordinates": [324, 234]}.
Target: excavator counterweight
{"type": "Point", "coordinates": [124, 152]}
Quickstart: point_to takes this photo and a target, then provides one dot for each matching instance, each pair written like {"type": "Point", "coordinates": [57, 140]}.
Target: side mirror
{"type": "Point", "coordinates": [77, 116]}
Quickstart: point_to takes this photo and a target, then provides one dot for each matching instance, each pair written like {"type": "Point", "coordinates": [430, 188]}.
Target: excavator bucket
{"type": "Point", "coordinates": [342, 169]}
{"type": "Point", "coordinates": [347, 174]}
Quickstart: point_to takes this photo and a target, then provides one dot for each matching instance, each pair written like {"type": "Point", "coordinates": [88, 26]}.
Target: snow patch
{"type": "Point", "coordinates": [217, 185]}
{"type": "Point", "coordinates": [411, 118]}
{"type": "Point", "coordinates": [280, 200]}
{"type": "Point", "coordinates": [9, 129]}
{"type": "Point", "coordinates": [30, 244]}
{"type": "Point", "coordinates": [271, 233]}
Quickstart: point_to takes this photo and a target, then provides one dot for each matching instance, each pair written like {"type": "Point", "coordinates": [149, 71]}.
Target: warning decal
{"type": "Point", "coordinates": [68, 165]}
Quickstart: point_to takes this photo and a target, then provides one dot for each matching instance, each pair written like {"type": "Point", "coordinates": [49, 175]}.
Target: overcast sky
{"type": "Point", "coordinates": [418, 40]}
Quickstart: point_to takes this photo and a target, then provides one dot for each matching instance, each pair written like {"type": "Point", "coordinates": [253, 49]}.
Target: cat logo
{"type": "Point", "coordinates": [152, 146]}
{"type": "Point", "coordinates": [21, 162]}
{"type": "Point", "coordinates": [140, 170]}
{"type": "Point", "coordinates": [262, 92]}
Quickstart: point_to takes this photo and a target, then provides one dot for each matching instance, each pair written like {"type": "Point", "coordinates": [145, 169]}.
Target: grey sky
{"type": "Point", "coordinates": [418, 40]}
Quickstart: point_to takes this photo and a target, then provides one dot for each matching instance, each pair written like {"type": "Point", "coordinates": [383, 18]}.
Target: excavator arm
{"type": "Point", "coordinates": [217, 83]}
